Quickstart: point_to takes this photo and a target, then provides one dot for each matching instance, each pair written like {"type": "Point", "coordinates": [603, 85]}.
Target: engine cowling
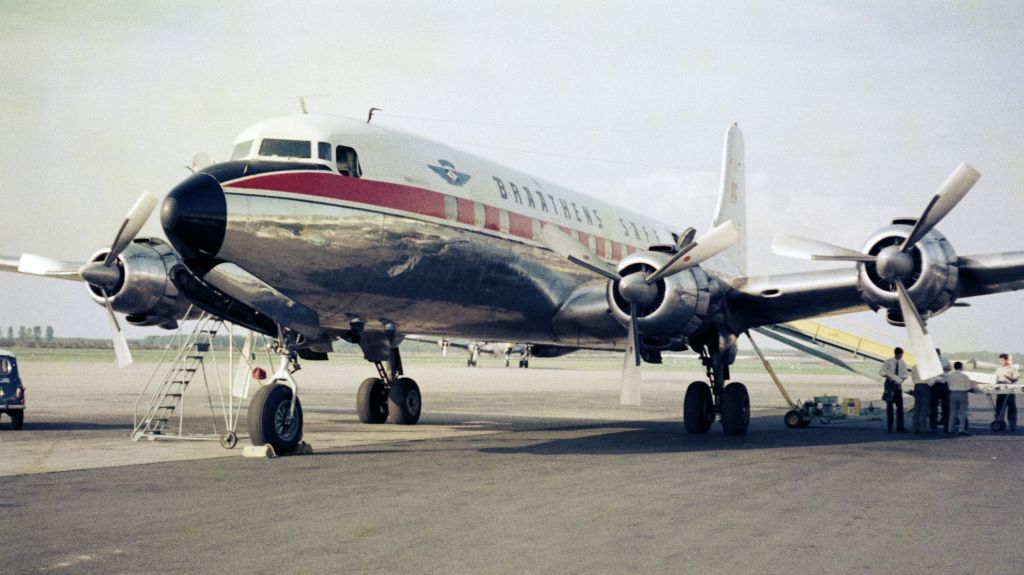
{"type": "Point", "coordinates": [678, 305]}
{"type": "Point", "coordinates": [145, 293]}
{"type": "Point", "coordinates": [932, 284]}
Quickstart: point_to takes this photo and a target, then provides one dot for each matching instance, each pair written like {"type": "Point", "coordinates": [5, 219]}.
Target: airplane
{"type": "Point", "coordinates": [476, 348]}
{"type": "Point", "coordinates": [320, 229]}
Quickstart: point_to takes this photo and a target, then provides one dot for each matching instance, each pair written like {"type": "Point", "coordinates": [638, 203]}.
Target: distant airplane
{"type": "Point", "coordinates": [476, 348]}
{"type": "Point", "coordinates": [321, 229]}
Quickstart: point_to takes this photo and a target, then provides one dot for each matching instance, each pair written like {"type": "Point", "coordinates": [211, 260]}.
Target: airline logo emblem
{"type": "Point", "coordinates": [447, 171]}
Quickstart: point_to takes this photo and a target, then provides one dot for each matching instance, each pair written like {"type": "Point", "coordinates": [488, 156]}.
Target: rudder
{"type": "Point", "coordinates": [732, 199]}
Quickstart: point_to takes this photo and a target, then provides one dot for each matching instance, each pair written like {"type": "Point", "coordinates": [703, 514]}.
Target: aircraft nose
{"type": "Point", "coordinates": [194, 216]}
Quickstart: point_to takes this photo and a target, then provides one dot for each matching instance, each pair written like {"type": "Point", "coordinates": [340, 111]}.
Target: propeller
{"type": "Point", "coordinates": [104, 275]}
{"type": "Point", "coordinates": [637, 288]}
{"type": "Point", "coordinates": [895, 263]}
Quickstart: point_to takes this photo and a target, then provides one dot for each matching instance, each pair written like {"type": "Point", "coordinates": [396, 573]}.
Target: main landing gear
{"type": "Point", "coordinates": [703, 402]}
{"type": "Point", "coordinates": [389, 395]}
{"type": "Point", "coordinates": [275, 412]}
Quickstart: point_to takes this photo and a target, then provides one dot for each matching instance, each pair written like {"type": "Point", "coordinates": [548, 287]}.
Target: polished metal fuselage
{"type": "Point", "coordinates": [357, 264]}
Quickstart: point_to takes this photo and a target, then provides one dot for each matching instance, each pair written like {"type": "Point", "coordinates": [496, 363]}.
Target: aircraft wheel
{"type": "Point", "coordinates": [735, 409]}
{"type": "Point", "coordinates": [372, 401]}
{"type": "Point", "coordinates": [996, 426]}
{"type": "Point", "coordinates": [404, 402]}
{"type": "Point", "coordinates": [793, 419]}
{"type": "Point", "coordinates": [269, 421]}
{"type": "Point", "coordinates": [697, 415]}
{"type": "Point", "coordinates": [17, 419]}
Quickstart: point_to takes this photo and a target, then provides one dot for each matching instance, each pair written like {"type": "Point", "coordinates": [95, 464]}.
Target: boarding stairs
{"type": "Point", "coordinates": [818, 340]}
{"type": "Point", "coordinates": [167, 402]}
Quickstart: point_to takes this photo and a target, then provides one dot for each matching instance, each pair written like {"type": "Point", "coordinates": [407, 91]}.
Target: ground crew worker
{"type": "Point", "coordinates": [959, 385]}
{"type": "Point", "coordinates": [940, 396]}
{"type": "Point", "coordinates": [1007, 373]}
{"type": "Point", "coordinates": [922, 401]}
{"type": "Point", "coordinates": [894, 370]}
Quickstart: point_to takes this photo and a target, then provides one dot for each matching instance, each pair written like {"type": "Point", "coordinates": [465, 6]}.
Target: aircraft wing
{"type": "Point", "coordinates": [765, 300]}
{"type": "Point", "coordinates": [484, 348]}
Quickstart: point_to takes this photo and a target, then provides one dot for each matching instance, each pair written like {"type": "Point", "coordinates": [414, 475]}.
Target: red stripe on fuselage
{"type": "Point", "coordinates": [374, 193]}
{"type": "Point", "coordinates": [396, 197]}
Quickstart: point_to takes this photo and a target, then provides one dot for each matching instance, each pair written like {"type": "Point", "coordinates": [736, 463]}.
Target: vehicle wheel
{"type": "Point", "coordinates": [17, 419]}
{"type": "Point", "coordinates": [372, 401]}
{"type": "Point", "coordinates": [697, 415]}
{"type": "Point", "coordinates": [996, 425]}
{"type": "Point", "coordinates": [805, 422]}
{"type": "Point", "coordinates": [792, 419]}
{"type": "Point", "coordinates": [268, 418]}
{"type": "Point", "coordinates": [404, 402]}
{"type": "Point", "coordinates": [735, 409]}
{"type": "Point", "coordinates": [228, 440]}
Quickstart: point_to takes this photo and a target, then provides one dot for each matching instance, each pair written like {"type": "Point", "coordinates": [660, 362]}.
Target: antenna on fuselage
{"type": "Point", "coordinates": [370, 115]}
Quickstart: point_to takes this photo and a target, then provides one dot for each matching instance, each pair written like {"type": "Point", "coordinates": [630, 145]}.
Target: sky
{"type": "Point", "coordinates": [853, 113]}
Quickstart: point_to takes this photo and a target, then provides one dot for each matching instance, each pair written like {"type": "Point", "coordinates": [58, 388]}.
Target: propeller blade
{"type": "Point", "coordinates": [562, 244]}
{"type": "Point", "coordinates": [808, 249]}
{"type": "Point", "coordinates": [952, 191]}
{"type": "Point", "coordinates": [133, 222]}
{"type": "Point", "coordinates": [629, 393]}
{"type": "Point", "coordinates": [686, 237]}
{"type": "Point", "coordinates": [44, 266]}
{"type": "Point", "coordinates": [121, 351]}
{"type": "Point", "coordinates": [921, 344]}
{"type": "Point", "coordinates": [719, 239]}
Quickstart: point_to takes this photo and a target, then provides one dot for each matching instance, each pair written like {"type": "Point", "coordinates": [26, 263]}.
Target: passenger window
{"type": "Point", "coordinates": [5, 367]}
{"type": "Point", "coordinates": [285, 148]}
{"type": "Point", "coordinates": [348, 162]}
{"type": "Point", "coordinates": [323, 151]}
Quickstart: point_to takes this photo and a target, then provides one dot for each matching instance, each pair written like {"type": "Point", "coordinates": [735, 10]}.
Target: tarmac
{"type": "Point", "coordinates": [509, 471]}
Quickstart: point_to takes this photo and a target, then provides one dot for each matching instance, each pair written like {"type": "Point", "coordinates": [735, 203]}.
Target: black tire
{"type": "Point", "coordinates": [17, 419]}
{"type": "Point", "coordinates": [267, 418]}
{"type": "Point", "coordinates": [697, 414]}
{"type": "Point", "coordinates": [805, 423]}
{"type": "Point", "coordinates": [372, 401]}
{"type": "Point", "coordinates": [404, 402]}
{"type": "Point", "coordinates": [996, 426]}
{"type": "Point", "coordinates": [735, 409]}
{"type": "Point", "coordinates": [792, 419]}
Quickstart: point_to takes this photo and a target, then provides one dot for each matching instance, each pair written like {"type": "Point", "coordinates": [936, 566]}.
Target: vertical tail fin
{"type": "Point", "coordinates": [732, 198]}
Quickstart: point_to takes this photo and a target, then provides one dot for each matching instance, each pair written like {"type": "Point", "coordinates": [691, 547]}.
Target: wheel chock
{"type": "Point", "coordinates": [303, 448]}
{"type": "Point", "coordinates": [259, 452]}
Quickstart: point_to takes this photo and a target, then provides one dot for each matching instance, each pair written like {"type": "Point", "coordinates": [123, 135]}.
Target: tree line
{"type": "Point", "coordinates": [26, 334]}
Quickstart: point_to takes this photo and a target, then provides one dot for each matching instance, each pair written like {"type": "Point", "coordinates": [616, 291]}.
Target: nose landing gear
{"type": "Point", "coordinates": [275, 412]}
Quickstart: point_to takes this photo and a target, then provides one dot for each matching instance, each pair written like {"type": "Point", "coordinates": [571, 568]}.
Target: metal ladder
{"type": "Point", "coordinates": [167, 400]}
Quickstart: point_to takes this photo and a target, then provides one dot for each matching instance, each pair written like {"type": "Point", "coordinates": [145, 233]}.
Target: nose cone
{"type": "Point", "coordinates": [194, 216]}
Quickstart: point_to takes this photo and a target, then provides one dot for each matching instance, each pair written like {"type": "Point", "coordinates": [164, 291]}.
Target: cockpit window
{"type": "Point", "coordinates": [348, 162]}
{"type": "Point", "coordinates": [323, 151]}
{"type": "Point", "coordinates": [285, 148]}
{"type": "Point", "coordinates": [241, 150]}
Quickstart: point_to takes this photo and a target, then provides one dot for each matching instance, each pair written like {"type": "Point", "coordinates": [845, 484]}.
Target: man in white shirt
{"type": "Point", "coordinates": [922, 401]}
{"type": "Point", "coordinates": [959, 385]}
{"type": "Point", "coordinates": [1007, 402]}
{"type": "Point", "coordinates": [894, 370]}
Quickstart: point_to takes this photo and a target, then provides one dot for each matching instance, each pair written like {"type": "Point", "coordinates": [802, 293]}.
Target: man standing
{"type": "Point", "coordinates": [922, 401]}
{"type": "Point", "coordinates": [894, 370]}
{"type": "Point", "coordinates": [940, 396]}
{"type": "Point", "coordinates": [1006, 373]}
{"type": "Point", "coordinates": [959, 385]}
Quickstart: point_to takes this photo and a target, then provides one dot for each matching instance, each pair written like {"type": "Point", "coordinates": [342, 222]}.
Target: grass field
{"type": "Point", "coordinates": [582, 360]}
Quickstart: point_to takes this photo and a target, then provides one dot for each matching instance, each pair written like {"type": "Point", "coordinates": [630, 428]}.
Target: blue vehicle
{"type": "Point", "coordinates": [12, 393]}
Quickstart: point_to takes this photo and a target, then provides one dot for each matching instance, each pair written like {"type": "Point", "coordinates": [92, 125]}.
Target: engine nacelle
{"type": "Point", "coordinates": [933, 284]}
{"type": "Point", "coordinates": [145, 293]}
{"type": "Point", "coordinates": [681, 305]}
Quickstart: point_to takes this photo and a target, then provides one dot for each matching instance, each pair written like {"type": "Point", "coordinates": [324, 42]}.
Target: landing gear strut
{"type": "Point", "coordinates": [731, 403]}
{"type": "Point", "coordinates": [389, 395]}
{"type": "Point", "coordinates": [275, 412]}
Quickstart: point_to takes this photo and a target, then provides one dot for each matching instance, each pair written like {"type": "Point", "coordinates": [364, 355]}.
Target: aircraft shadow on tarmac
{"type": "Point", "coordinates": [766, 432]}
{"type": "Point", "coordinates": [68, 426]}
